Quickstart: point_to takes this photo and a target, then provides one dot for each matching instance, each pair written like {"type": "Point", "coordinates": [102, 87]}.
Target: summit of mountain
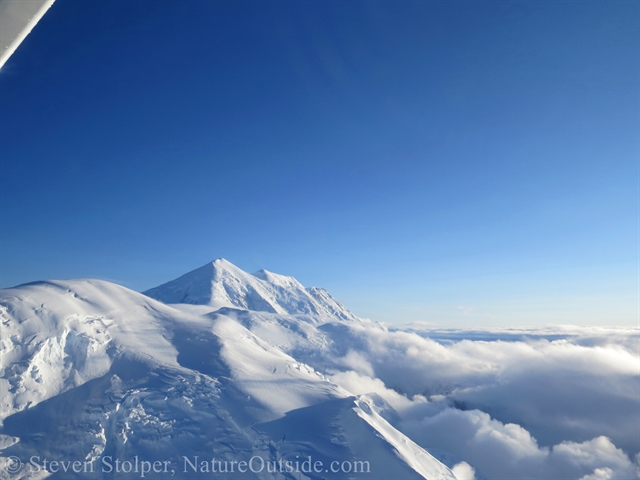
{"type": "Point", "coordinates": [222, 284]}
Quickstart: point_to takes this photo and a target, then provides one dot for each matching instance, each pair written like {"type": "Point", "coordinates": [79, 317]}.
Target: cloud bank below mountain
{"type": "Point", "coordinates": [523, 409]}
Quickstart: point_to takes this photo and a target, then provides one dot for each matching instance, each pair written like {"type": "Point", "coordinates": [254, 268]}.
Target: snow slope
{"type": "Point", "coordinates": [93, 372]}
{"type": "Point", "coordinates": [57, 335]}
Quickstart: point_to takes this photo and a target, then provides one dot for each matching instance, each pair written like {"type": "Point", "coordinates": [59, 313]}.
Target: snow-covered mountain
{"type": "Point", "coordinates": [94, 373]}
{"type": "Point", "coordinates": [222, 284]}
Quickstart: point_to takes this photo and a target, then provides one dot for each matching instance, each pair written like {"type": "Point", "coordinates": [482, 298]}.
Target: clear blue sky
{"type": "Point", "coordinates": [462, 163]}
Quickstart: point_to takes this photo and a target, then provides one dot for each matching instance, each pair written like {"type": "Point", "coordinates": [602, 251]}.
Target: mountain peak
{"type": "Point", "coordinates": [222, 284]}
{"type": "Point", "coordinates": [222, 262]}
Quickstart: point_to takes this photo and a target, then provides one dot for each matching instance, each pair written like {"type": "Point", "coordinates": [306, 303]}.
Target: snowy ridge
{"type": "Point", "coordinates": [222, 284]}
{"type": "Point", "coordinates": [415, 456]}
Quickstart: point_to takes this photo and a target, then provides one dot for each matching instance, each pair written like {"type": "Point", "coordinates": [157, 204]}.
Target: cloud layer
{"type": "Point", "coordinates": [558, 403]}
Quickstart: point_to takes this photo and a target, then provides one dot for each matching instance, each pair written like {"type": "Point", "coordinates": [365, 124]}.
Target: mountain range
{"type": "Point", "coordinates": [216, 374]}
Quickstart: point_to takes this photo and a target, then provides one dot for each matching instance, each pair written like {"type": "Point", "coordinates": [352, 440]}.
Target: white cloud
{"type": "Point", "coordinates": [355, 361]}
{"type": "Point", "coordinates": [599, 474]}
{"type": "Point", "coordinates": [360, 384]}
{"type": "Point", "coordinates": [464, 471]}
{"type": "Point", "coordinates": [560, 402]}
{"type": "Point", "coordinates": [498, 450]}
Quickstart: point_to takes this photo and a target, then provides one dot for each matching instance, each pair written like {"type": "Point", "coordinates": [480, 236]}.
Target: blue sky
{"type": "Point", "coordinates": [461, 163]}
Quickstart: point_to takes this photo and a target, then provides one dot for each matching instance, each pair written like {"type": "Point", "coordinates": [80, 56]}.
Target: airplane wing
{"type": "Point", "coordinates": [17, 19]}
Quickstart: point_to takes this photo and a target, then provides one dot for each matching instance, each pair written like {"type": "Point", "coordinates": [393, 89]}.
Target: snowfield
{"type": "Point", "coordinates": [225, 374]}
